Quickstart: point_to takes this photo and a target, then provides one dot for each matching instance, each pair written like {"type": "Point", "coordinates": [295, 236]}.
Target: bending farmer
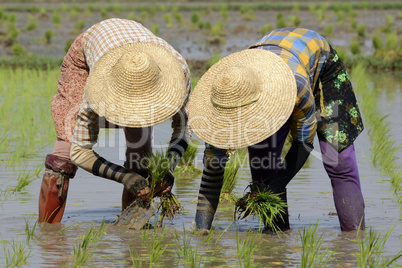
{"type": "Point", "coordinates": [131, 79]}
{"type": "Point", "coordinates": [291, 80]}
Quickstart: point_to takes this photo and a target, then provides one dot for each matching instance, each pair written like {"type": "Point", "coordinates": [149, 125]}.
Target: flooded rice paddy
{"type": "Point", "coordinates": [92, 200]}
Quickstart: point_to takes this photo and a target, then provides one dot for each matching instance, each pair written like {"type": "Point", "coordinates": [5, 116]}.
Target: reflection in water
{"type": "Point", "coordinates": [92, 199]}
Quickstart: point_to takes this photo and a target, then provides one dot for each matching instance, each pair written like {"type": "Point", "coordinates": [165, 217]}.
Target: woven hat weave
{"type": "Point", "coordinates": [242, 99]}
{"type": "Point", "coordinates": [136, 85]}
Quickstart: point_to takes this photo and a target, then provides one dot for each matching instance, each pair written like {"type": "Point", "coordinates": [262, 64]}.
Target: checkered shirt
{"type": "Point", "coordinates": [305, 52]}
{"type": "Point", "coordinates": [98, 40]}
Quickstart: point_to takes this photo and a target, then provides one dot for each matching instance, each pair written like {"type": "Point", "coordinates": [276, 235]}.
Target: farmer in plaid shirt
{"type": "Point", "coordinates": [290, 81]}
{"type": "Point", "coordinates": [115, 74]}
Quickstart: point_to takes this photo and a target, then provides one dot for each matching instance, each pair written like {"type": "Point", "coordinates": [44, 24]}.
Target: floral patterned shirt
{"type": "Point", "coordinates": [326, 102]}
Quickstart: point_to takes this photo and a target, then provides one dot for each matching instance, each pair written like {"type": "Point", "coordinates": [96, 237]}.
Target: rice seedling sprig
{"type": "Point", "coordinates": [18, 254]}
{"type": "Point", "coordinates": [159, 164]}
{"type": "Point", "coordinates": [246, 248]}
{"type": "Point", "coordinates": [185, 164]}
{"type": "Point", "coordinates": [268, 207]}
{"type": "Point", "coordinates": [230, 177]}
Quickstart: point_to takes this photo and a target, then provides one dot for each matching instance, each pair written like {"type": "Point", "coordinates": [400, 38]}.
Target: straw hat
{"type": "Point", "coordinates": [242, 99]}
{"type": "Point", "coordinates": [136, 85]}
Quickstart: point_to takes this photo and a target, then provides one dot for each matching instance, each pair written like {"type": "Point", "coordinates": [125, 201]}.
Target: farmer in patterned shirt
{"type": "Point", "coordinates": [291, 80]}
{"type": "Point", "coordinates": [115, 74]}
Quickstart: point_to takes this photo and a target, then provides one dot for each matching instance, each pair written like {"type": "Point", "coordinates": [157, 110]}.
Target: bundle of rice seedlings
{"type": "Point", "coordinates": [159, 164]}
{"type": "Point", "coordinates": [186, 165]}
{"type": "Point", "coordinates": [230, 177]}
{"type": "Point", "coordinates": [268, 207]}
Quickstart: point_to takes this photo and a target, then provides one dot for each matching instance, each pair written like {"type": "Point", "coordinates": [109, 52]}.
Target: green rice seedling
{"type": "Point", "coordinates": [341, 16]}
{"type": "Point", "coordinates": [18, 50]}
{"type": "Point", "coordinates": [116, 8]}
{"type": "Point", "coordinates": [249, 16]}
{"type": "Point", "coordinates": [104, 13]}
{"type": "Point", "coordinates": [84, 249]}
{"type": "Point", "coordinates": [12, 32]}
{"type": "Point", "coordinates": [319, 14]}
{"type": "Point", "coordinates": [328, 29]}
{"type": "Point", "coordinates": [371, 246]}
{"type": "Point", "coordinates": [268, 207]}
{"type": "Point", "coordinates": [352, 14]}
{"type": "Point", "coordinates": [244, 9]}
{"type": "Point", "coordinates": [154, 240]}
{"type": "Point", "coordinates": [152, 11]}
{"type": "Point", "coordinates": [17, 256]}
{"type": "Point", "coordinates": [56, 19]}
{"type": "Point", "coordinates": [32, 23]}
{"type": "Point", "coordinates": [135, 259]}
{"type": "Point", "coordinates": [159, 164]}
{"type": "Point", "coordinates": [296, 7]}
{"type": "Point", "coordinates": [281, 22]}
{"type": "Point", "coordinates": [185, 251]}
{"type": "Point", "coordinates": [353, 24]}
{"type": "Point", "coordinates": [295, 20]}
{"type": "Point", "coordinates": [24, 179]}
{"type": "Point", "coordinates": [224, 12]}
{"type": "Point", "coordinates": [361, 30]}
{"type": "Point", "coordinates": [131, 16]}
{"type": "Point", "coordinates": [311, 9]}
{"type": "Point", "coordinates": [230, 176]}
{"type": "Point", "coordinates": [217, 29]}
{"type": "Point", "coordinates": [195, 18]}
{"type": "Point", "coordinates": [177, 15]}
{"type": "Point", "coordinates": [30, 231]}
{"type": "Point", "coordinates": [73, 14]}
{"type": "Point", "coordinates": [79, 25]}
{"type": "Point", "coordinates": [377, 43]}
{"type": "Point", "coordinates": [168, 20]}
{"type": "Point", "coordinates": [247, 247]}
{"type": "Point", "coordinates": [186, 163]}
{"type": "Point", "coordinates": [155, 29]}
{"type": "Point", "coordinates": [355, 47]}
{"type": "Point", "coordinates": [91, 8]}
{"type": "Point", "coordinates": [143, 15]}
{"type": "Point", "coordinates": [48, 36]}
{"type": "Point", "coordinates": [265, 29]}
{"type": "Point", "coordinates": [391, 41]}
{"type": "Point", "coordinates": [312, 253]}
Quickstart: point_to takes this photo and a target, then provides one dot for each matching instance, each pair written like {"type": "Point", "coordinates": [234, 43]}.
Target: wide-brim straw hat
{"type": "Point", "coordinates": [242, 99]}
{"type": "Point", "coordinates": [136, 85]}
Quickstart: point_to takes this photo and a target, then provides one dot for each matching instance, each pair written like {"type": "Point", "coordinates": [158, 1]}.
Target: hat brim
{"type": "Point", "coordinates": [146, 107]}
{"type": "Point", "coordinates": [250, 124]}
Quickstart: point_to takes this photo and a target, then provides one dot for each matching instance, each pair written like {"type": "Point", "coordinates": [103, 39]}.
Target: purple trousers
{"type": "Point", "coordinates": [341, 168]}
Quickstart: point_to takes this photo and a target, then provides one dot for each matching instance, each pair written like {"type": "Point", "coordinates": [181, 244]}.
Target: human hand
{"type": "Point", "coordinates": [144, 193]}
{"type": "Point", "coordinates": [166, 184]}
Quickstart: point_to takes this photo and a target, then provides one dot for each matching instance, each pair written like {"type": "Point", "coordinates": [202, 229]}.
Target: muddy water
{"type": "Point", "coordinates": [310, 200]}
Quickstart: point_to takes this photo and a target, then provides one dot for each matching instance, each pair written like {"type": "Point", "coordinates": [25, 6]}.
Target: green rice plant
{"type": "Point", "coordinates": [355, 47]}
{"type": "Point", "coordinates": [143, 15]}
{"type": "Point", "coordinates": [295, 20]}
{"type": "Point", "coordinates": [224, 12]}
{"type": "Point", "coordinates": [48, 36]}
{"type": "Point", "coordinates": [319, 14]}
{"type": "Point", "coordinates": [57, 18]}
{"type": "Point", "coordinates": [91, 8]}
{"type": "Point", "coordinates": [311, 9]}
{"type": "Point", "coordinates": [217, 29]}
{"type": "Point", "coordinates": [155, 29]}
{"type": "Point", "coordinates": [391, 41]}
{"type": "Point", "coordinates": [64, 8]}
{"type": "Point", "coordinates": [244, 9]}
{"type": "Point", "coordinates": [265, 29]}
{"type": "Point", "coordinates": [104, 13]}
{"type": "Point", "coordinates": [312, 253]}
{"type": "Point", "coordinates": [296, 7]}
{"type": "Point", "coordinates": [353, 24]}
{"type": "Point", "coordinates": [249, 16]}
{"type": "Point", "coordinates": [377, 42]}
{"type": "Point", "coordinates": [84, 249]}
{"type": "Point", "coordinates": [154, 239]}
{"type": "Point", "coordinates": [328, 29]}
{"type": "Point", "coordinates": [32, 23]}
{"type": "Point", "coordinates": [268, 207]}
{"type": "Point", "coordinates": [159, 164]}
{"type": "Point", "coordinates": [30, 231]}
{"type": "Point", "coordinates": [281, 23]}
{"type": "Point", "coordinates": [389, 23]}
{"type": "Point", "coordinates": [361, 30]}
{"type": "Point", "coordinates": [135, 259]}
{"type": "Point", "coordinates": [116, 8]}
{"type": "Point", "coordinates": [384, 148]}
{"type": "Point", "coordinates": [186, 163]}
{"type": "Point", "coordinates": [12, 32]}
{"type": "Point", "coordinates": [195, 18]}
{"type": "Point", "coordinates": [18, 50]}
{"type": "Point", "coordinates": [230, 177]}
{"type": "Point", "coordinates": [185, 251]}
{"type": "Point", "coordinates": [177, 15]}
{"type": "Point", "coordinates": [17, 256]}
{"type": "Point", "coordinates": [247, 247]}
{"type": "Point", "coordinates": [341, 16]}
{"type": "Point", "coordinates": [131, 16]}
{"type": "Point", "coordinates": [73, 14]}
{"type": "Point", "coordinates": [79, 25]}
{"type": "Point", "coordinates": [371, 246]}
{"type": "Point", "coordinates": [24, 179]}
{"type": "Point", "coordinates": [168, 20]}
{"type": "Point", "coordinates": [352, 14]}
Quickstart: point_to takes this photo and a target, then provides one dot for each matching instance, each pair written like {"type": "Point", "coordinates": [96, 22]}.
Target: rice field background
{"type": "Point", "coordinates": [86, 237]}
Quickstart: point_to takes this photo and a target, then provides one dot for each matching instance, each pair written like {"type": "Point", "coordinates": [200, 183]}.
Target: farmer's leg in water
{"type": "Point", "coordinates": [265, 161]}
{"type": "Point", "coordinates": [55, 182]}
{"type": "Point", "coordinates": [211, 184]}
{"type": "Point", "coordinates": [139, 145]}
{"type": "Point", "coordinates": [343, 171]}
